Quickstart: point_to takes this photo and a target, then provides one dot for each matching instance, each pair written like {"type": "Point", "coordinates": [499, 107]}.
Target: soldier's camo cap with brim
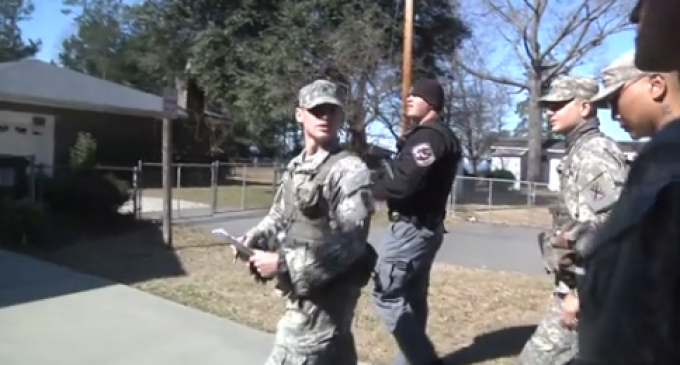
{"type": "Point", "coordinates": [615, 76]}
{"type": "Point", "coordinates": [567, 88]}
{"type": "Point", "coordinates": [320, 92]}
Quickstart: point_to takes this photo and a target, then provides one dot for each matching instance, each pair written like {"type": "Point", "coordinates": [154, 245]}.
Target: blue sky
{"type": "Point", "coordinates": [50, 26]}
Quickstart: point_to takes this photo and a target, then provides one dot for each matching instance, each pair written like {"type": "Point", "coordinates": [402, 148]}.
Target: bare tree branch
{"type": "Point", "coordinates": [475, 109]}
{"type": "Point", "coordinates": [504, 80]}
{"type": "Point", "coordinates": [542, 39]}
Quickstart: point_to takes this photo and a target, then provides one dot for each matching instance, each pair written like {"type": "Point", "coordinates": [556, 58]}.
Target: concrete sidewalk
{"type": "Point", "coordinates": [50, 315]}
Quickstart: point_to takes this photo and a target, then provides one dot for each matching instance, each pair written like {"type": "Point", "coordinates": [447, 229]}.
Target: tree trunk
{"type": "Point", "coordinates": [357, 118]}
{"type": "Point", "coordinates": [535, 135]}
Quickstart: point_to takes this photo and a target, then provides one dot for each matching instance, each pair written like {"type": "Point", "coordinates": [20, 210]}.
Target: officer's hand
{"type": "Point", "coordinates": [570, 307]}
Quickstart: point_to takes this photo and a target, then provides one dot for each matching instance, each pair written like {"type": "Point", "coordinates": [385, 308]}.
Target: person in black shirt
{"type": "Point", "coordinates": [630, 291]}
{"type": "Point", "coordinates": [416, 192]}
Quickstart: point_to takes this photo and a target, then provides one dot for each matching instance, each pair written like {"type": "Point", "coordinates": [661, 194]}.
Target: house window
{"type": "Point", "coordinates": [39, 121]}
{"type": "Point", "coordinates": [21, 130]}
{"type": "Point", "coordinates": [4, 128]}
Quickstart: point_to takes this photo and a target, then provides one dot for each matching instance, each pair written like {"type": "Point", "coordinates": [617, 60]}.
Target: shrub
{"type": "Point", "coordinates": [23, 222]}
{"type": "Point", "coordinates": [87, 193]}
{"type": "Point", "coordinates": [502, 174]}
{"type": "Point", "coordinates": [83, 153]}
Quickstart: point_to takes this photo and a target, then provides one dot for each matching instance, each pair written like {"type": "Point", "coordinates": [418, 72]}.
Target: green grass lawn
{"type": "Point", "coordinates": [228, 197]}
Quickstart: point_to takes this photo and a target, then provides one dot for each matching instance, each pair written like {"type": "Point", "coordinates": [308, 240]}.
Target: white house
{"type": "Point", "coordinates": [511, 154]}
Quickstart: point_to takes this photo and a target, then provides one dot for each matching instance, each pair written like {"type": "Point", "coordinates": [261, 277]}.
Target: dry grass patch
{"type": "Point", "coordinates": [477, 316]}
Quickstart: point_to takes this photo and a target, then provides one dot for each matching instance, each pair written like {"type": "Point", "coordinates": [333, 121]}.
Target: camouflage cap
{"type": "Point", "coordinates": [320, 92]}
{"type": "Point", "coordinates": [567, 88]}
{"type": "Point", "coordinates": [615, 75]}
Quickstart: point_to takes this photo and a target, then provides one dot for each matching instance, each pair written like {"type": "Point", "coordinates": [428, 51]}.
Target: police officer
{"type": "Point", "coordinates": [629, 295]}
{"type": "Point", "coordinates": [416, 192]}
{"type": "Point", "coordinates": [320, 220]}
{"type": "Point", "coordinates": [591, 176]}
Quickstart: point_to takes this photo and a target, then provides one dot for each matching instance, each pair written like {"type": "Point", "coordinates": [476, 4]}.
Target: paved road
{"type": "Point", "coordinates": [467, 244]}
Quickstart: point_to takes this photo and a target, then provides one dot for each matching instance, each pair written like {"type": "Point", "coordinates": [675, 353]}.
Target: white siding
{"type": "Point", "coordinates": [512, 164]}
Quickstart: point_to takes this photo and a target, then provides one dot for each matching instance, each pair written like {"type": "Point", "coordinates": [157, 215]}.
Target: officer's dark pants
{"type": "Point", "coordinates": [402, 278]}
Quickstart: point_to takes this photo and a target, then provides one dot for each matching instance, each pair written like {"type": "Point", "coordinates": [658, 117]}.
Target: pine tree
{"type": "Point", "coordinates": [83, 154]}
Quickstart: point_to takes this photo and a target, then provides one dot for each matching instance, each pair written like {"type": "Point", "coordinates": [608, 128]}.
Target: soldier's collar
{"type": "Point", "coordinates": [311, 163]}
{"type": "Point", "coordinates": [585, 127]}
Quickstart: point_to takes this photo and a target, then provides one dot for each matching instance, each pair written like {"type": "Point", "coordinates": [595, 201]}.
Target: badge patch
{"type": "Point", "coordinates": [596, 191]}
{"type": "Point", "coordinates": [423, 155]}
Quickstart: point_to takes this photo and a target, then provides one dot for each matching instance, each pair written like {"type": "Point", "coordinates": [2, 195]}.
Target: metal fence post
{"type": "Point", "coordinates": [214, 170]}
{"type": "Point", "coordinates": [140, 186]}
{"type": "Point", "coordinates": [490, 198]}
{"type": "Point", "coordinates": [179, 187]}
{"type": "Point", "coordinates": [454, 193]}
{"type": "Point", "coordinates": [530, 189]}
{"type": "Point", "coordinates": [135, 192]}
{"type": "Point", "coordinates": [243, 187]}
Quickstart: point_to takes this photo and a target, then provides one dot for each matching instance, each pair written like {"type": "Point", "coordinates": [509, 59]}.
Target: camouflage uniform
{"type": "Point", "coordinates": [321, 217]}
{"type": "Point", "coordinates": [591, 175]}
{"type": "Point", "coordinates": [629, 295]}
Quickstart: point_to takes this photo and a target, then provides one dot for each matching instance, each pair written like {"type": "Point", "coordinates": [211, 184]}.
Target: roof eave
{"type": "Point", "coordinates": [144, 113]}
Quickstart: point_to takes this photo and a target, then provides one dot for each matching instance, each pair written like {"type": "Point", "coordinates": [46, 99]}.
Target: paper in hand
{"type": "Point", "coordinates": [243, 252]}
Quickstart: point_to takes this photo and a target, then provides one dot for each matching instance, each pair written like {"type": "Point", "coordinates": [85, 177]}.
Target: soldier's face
{"type": "Point", "coordinates": [416, 107]}
{"type": "Point", "coordinates": [657, 45]}
{"type": "Point", "coordinates": [566, 115]}
{"type": "Point", "coordinates": [637, 106]}
{"type": "Point", "coordinates": [322, 122]}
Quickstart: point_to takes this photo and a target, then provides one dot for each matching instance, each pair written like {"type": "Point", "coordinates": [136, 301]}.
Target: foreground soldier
{"type": "Point", "coordinates": [630, 294]}
{"type": "Point", "coordinates": [416, 192]}
{"type": "Point", "coordinates": [321, 215]}
{"type": "Point", "coordinates": [591, 175]}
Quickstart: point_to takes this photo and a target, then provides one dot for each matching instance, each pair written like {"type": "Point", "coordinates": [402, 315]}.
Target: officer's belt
{"type": "Point", "coordinates": [419, 222]}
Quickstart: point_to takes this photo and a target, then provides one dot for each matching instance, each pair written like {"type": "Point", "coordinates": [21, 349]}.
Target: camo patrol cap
{"type": "Point", "coordinates": [567, 88]}
{"type": "Point", "coordinates": [320, 92]}
{"type": "Point", "coordinates": [615, 76]}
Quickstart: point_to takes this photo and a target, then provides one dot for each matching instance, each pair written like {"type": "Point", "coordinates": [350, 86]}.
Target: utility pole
{"type": "Point", "coordinates": [407, 64]}
{"type": "Point", "coordinates": [169, 114]}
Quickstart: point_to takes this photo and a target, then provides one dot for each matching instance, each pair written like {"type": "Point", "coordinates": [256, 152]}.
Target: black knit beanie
{"type": "Point", "coordinates": [431, 91]}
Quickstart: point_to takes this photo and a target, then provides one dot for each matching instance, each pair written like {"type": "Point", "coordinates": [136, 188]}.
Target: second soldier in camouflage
{"type": "Point", "coordinates": [591, 176]}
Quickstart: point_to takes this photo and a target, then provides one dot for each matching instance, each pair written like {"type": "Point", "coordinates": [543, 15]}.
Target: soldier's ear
{"type": "Point", "coordinates": [658, 86]}
{"type": "Point", "coordinates": [299, 114]}
{"type": "Point", "coordinates": [587, 109]}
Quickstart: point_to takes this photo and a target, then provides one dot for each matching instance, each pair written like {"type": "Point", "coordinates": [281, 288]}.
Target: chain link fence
{"type": "Point", "coordinates": [497, 201]}
{"type": "Point", "coordinates": [209, 189]}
